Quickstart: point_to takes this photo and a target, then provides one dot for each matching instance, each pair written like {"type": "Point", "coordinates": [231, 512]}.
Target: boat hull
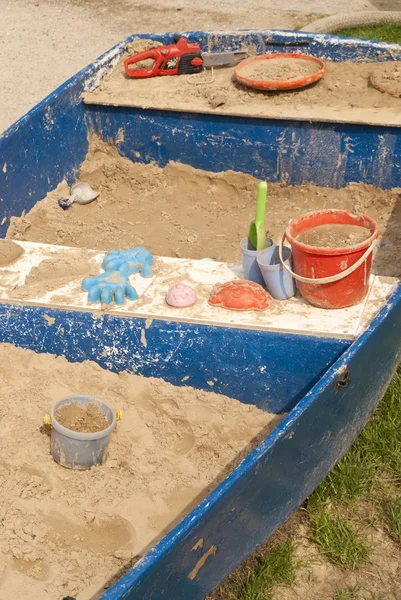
{"type": "Point", "coordinates": [329, 398]}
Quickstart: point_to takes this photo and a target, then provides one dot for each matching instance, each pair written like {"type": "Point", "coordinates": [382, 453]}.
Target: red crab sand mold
{"type": "Point", "coordinates": [240, 295]}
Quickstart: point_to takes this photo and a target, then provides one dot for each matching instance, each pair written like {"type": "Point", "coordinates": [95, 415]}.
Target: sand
{"type": "Point", "coordinates": [9, 252]}
{"type": "Point", "coordinates": [89, 419]}
{"type": "Point", "coordinates": [344, 94]}
{"type": "Point", "coordinates": [389, 78]}
{"type": "Point", "coordinates": [279, 68]}
{"type": "Point", "coordinates": [55, 273]}
{"type": "Point", "coordinates": [334, 236]}
{"type": "Point", "coordinates": [66, 532]}
{"type": "Point", "coordinates": [185, 212]}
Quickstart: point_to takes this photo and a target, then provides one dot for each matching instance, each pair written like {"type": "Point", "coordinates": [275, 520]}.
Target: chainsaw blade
{"type": "Point", "coordinates": [223, 59]}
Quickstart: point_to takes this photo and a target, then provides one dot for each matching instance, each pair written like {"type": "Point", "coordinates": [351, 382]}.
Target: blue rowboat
{"type": "Point", "coordinates": [334, 383]}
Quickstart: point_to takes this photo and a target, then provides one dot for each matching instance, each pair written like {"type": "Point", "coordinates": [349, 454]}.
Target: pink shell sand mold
{"type": "Point", "coordinates": [240, 295]}
{"type": "Point", "coordinates": [180, 296]}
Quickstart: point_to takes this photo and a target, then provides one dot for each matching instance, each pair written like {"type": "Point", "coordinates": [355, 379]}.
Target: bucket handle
{"type": "Point", "coordinates": [332, 278]}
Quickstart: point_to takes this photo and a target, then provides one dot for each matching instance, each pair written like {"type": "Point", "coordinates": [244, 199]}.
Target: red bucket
{"type": "Point", "coordinates": [331, 277]}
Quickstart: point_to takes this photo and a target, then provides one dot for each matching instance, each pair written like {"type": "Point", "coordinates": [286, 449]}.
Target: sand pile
{"type": "Point", "coordinates": [185, 212]}
{"type": "Point", "coordinates": [66, 532]}
{"type": "Point", "coordinates": [9, 252]}
{"type": "Point", "coordinates": [55, 273]}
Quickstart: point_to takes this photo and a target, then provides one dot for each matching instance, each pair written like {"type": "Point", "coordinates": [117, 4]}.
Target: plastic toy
{"type": "Point", "coordinates": [181, 295]}
{"type": "Point", "coordinates": [240, 295]}
{"type": "Point", "coordinates": [114, 283]}
{"type": "Point", "coordinates": [129, 261]}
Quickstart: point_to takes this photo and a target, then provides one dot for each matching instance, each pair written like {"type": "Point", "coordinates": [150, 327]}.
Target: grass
{"type": "Point", "coordinates": [272, 569]}
{"type": "Point", "coordinates": [348, 593]}
{"type": "Point", "coordinates": [380, 442]}
{"type": "Point", "coordinates": [350, 479]}
{"type": "Point", "coordinates": [382, 33]}
{"type": "Point", "coordinates": [394, 518]}
{"type": "Point", "coordinates": [337, 539]}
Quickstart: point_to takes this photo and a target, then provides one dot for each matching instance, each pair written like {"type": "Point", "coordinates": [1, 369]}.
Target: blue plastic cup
{"type": "Point", "coordinates": [279, 283]}
{"type": "Point", "coordinates": [249, 260]}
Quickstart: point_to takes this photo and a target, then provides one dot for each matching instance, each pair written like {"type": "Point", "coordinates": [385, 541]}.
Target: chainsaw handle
{"type": "Point", "coordinates": [138, 73]}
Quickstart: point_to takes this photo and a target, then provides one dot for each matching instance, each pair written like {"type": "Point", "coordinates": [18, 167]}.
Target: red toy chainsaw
{"type": "Point", "coordinates": [180, 58]}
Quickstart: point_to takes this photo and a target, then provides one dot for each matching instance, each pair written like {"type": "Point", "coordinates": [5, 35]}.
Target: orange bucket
{"type": "Point", "coordinates": [331, 277]}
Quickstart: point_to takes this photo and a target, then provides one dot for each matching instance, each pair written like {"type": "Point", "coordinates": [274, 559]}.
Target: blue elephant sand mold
{"type": "Point", "coordinates": [114, 282]}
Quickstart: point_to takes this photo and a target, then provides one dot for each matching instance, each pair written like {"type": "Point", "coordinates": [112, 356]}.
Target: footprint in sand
{"type": "Point", "coordinates": [106, 537]}
{"type": "Point", "coordinates": [36, 569]}
{"type": "Point", "coordinates": [29, 470]}
{"type": "Point", "coordinates": [36, 484]}
{"type": "Point", "coordinates": [186, 442]}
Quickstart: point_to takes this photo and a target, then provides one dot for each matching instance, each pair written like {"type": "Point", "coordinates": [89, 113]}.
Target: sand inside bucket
{"type": "Point", "coordinates": [74, 417]}
{"type": "Point", "coordinates": [334, 236]}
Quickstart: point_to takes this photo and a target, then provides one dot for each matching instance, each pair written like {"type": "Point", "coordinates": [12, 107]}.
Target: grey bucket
{"type": "Point", "coordinates": [76, 450]}
{"type": "Point", "coordinates": [278, 281]}
{"type": "Point", "coordinates": [249, 260]}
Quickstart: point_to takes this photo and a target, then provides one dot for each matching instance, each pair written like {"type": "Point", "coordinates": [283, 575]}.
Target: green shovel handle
{"type": "Point", "coordinates": [261, 203]}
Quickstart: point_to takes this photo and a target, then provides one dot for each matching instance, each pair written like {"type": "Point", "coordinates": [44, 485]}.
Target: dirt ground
{"type": "Point", "coordinates": [318, 579]}
{"type": "Point", "coordinates": [390, 5]}
{"type": "Point", "coordinates": [379, 579]}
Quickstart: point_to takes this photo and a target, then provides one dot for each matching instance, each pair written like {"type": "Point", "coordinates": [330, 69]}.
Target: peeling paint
{"type": "Point", "coordinates": [143, 338]}
{"type": "Point", "coordinates": [211, 552]}
{"type": "Point", "coordinates": [49, 320]}
{"type": "Point", "coordinates": [340, 371]}
{"type": "Point", "coordinates": [199, 544]}
{"type": "Point", "coordinates": [120, 136]}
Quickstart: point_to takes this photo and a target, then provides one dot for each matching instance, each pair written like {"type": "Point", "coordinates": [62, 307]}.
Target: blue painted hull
{"type": "Point", "coordinates": [50, 143]}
